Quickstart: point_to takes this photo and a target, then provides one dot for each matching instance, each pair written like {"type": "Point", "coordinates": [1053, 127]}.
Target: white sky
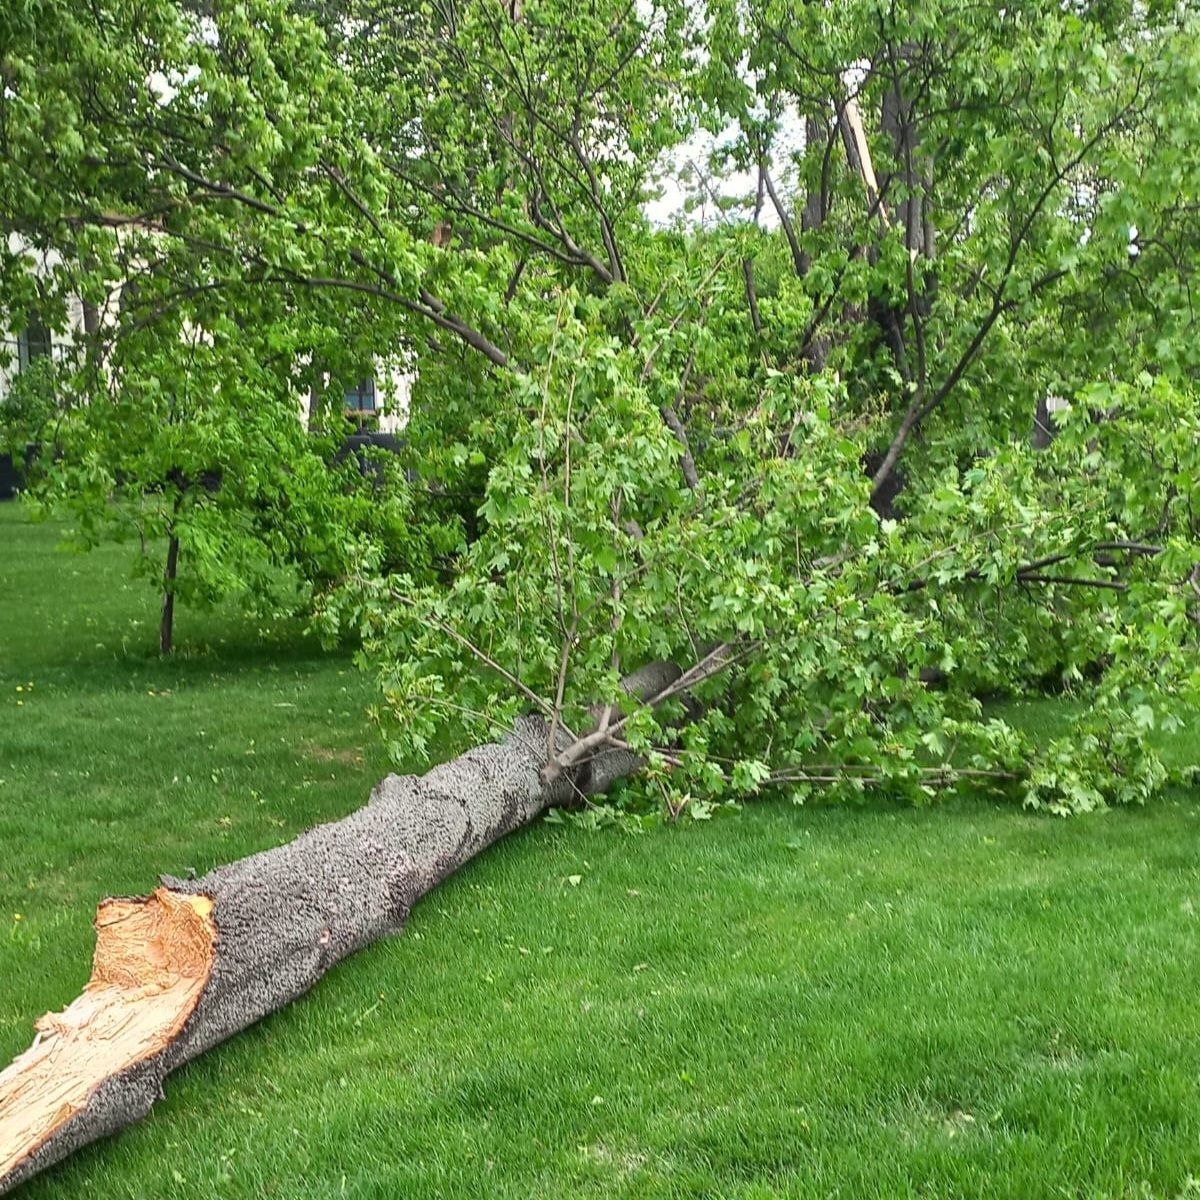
{"type": "Point", "coordinates": [681, 183]}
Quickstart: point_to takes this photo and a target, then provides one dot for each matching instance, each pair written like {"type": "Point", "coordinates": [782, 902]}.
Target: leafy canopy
{"type": "Point", "coordinates": [803, 452]}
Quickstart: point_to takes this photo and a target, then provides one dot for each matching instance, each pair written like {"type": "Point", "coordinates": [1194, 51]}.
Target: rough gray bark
{"type": "Point", "coordinates": [285, 916]}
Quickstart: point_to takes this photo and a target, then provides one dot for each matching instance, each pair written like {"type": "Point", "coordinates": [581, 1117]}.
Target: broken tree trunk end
{"type": "Point", "coordinates": [195, 962]}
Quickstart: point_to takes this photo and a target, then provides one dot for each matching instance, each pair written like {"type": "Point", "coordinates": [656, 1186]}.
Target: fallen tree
{"type": "Point", "coordinates": [196, 961]}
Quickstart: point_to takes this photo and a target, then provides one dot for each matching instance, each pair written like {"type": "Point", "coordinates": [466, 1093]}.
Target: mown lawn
{"type": "Point", "coordinates": [963, 1002]}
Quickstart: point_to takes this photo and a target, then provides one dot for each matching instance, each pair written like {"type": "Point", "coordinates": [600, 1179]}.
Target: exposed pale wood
{"type": "Point", "coordinates": [153, 957]}
{"type": "Point", "coordinates": [861, 157]}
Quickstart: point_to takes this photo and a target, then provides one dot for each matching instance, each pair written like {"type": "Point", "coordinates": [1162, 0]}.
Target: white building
{"type": "Point", "coordinates": [378, 401]}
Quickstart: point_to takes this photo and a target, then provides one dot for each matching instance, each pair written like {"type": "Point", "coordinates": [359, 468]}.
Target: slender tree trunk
{"type": "Point", "coordinates": [812, 216]}
{"type": "Point", "coordinates": [166, 628]}
{"type": "Point", "coordinates": [899, 124]}
{"type": "Point", "coordinates": [816, 133]}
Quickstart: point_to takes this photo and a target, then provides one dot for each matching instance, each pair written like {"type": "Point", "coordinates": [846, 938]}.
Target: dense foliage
{"type": "Point", "coordinates": [803, 450]}
{"type": "Point", "coordinates": [194, 455]}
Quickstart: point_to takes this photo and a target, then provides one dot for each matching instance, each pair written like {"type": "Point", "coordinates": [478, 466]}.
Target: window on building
{"type": "Point", "coordinates": [32, 342]}
{"type": "Point", "coordinates": [360, 399]}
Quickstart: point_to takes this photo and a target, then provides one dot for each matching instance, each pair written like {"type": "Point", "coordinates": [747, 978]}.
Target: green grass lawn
{"type": "Point", "coordinates": [963, 1002]}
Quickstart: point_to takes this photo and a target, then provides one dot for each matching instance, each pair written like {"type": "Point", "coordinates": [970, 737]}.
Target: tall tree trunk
{"type": "Point", "coordinates": [816, 203]}
{"type": "Point", "coordinates": [899, 124]}
{"type": "Point", "coordinates": [166, 627]}
{"type": "Point", "coordinates": [812, 216]}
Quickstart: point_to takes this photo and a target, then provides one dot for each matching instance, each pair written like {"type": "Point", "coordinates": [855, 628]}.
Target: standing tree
{"type": "Point", "coordinates": [168, 461]}
{"type": "Point", "coordinates": [173, 418]}
{"type": "Point", "coordinates": [176, 425]}
{"type": "Point", "coordinates": [677, 570]}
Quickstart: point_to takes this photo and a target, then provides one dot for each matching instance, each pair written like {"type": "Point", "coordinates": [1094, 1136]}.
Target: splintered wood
{"type": "Point", "coordinates": [153, 958]}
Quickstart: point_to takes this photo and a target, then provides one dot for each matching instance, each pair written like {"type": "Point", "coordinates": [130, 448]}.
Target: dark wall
{"type": "Point", "coordinates": [10, 477]}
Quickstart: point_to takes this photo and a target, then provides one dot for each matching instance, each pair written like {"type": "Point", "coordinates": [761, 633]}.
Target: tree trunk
{"type": "Point", "coordinates": [166, 628]}
{"type": "Point", "coordinates": [91, 318]}
{"type": "Point", "coordinates": [1043, 433]}
{"type": "Point", "coordinates": [195, 962]}
{"type": "Point", "coordinates": [816, 205]}
{"type": "Point", "coordinates": [899, 123]}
